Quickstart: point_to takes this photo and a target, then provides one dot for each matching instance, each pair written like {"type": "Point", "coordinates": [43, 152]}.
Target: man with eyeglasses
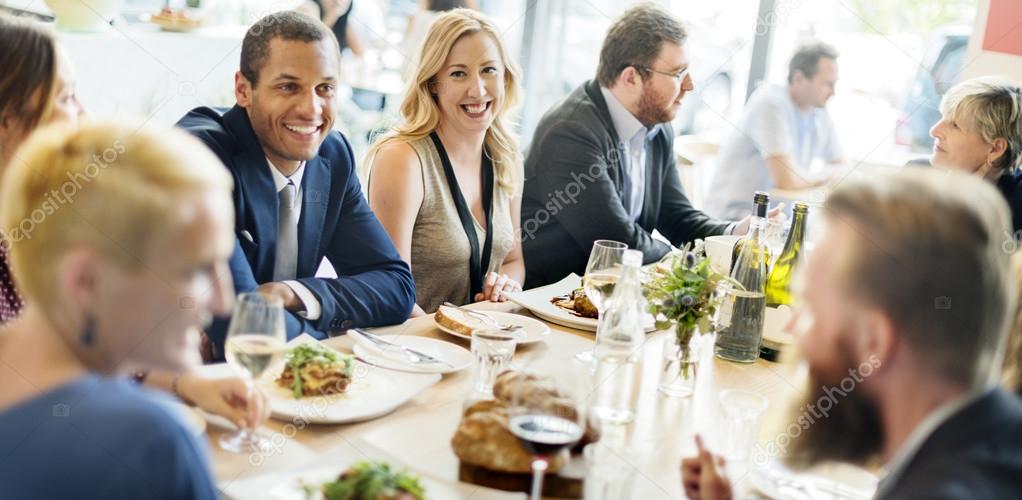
{"type": "Point", "coordinates": [783, 130]}
{"type": "Point", "coordinates": [601, 164]}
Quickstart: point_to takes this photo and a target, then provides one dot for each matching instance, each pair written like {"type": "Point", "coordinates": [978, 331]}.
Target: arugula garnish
{"type": "Point", "coordinates": [373, 480]}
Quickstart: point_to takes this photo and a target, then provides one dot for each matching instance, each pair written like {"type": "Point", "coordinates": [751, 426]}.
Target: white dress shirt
{"type": "Point", "coordinates": [313, 309]}
{"type": "Point", "coordinates": [633, 136]}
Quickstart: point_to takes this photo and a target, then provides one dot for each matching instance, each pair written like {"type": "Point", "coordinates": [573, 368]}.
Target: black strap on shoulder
{"type": "Point", "coordinates": [478, 262]}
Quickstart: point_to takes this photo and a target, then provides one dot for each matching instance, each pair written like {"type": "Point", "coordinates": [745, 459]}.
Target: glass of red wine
{"type": "Point", "coordinates": [547, 419]}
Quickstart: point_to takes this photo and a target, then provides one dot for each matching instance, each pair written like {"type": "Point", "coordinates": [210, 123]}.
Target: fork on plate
{"type": "Point", "coordinates": [486, 318]}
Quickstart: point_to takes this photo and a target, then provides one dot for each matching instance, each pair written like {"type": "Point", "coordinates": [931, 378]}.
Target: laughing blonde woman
{"type": "Point", "coordinates": [446, 182]}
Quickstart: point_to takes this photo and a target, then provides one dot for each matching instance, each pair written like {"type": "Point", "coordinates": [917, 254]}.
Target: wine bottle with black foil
{"type": "Point", "coordinates": [744, 305]}
{"type": "Point", "coordinates": [760, 207]}
{"type": "Point", "coordinates": [778, 287]}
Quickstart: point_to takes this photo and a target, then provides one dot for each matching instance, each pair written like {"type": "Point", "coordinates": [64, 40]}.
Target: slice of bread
{"type": "Point", "coordinates": [458, 321]}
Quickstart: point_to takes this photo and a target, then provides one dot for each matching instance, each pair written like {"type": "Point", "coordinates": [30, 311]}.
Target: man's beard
{"type": "Point", "coordinates": [843, 425]}
{"type": "Point", "coordinates": [651, 111]}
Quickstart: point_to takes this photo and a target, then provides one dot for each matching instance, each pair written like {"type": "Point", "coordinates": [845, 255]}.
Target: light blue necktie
{"type": "Point", "coordinates": [285, 266]}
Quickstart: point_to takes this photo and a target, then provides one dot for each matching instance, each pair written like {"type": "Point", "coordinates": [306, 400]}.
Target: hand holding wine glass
{"type": "Point", "coordinates": [255, 345]}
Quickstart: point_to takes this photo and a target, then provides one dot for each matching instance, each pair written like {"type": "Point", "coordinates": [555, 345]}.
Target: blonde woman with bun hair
{"type": "Point", "coordinates": [430, 176]}
{"type": "Point", "coordinates": [110, 228]}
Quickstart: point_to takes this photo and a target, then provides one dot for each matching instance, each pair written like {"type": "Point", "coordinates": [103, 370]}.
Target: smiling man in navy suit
{"type": "Point", "coordinates": [296, 195]}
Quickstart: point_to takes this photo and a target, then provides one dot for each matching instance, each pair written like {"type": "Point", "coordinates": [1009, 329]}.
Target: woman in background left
{"type": "Point", "coordinates": [37, 87]}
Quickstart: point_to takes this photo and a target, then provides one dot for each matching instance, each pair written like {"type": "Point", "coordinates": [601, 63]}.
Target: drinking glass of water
{"type": "Point", "coordinates": [255, 345]}
{"type": "Point", "coordinates": [610, 472]}
{"type": "Point", "coordinates": [493, 350]}
{"type": "Point", "coordinates": [742, 415]}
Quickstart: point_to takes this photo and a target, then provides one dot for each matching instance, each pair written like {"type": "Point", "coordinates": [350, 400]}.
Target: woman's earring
{"type": "Point", "coordinates": [88, 334]}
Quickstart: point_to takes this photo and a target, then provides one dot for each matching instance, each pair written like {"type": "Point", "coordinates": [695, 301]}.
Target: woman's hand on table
{"type": "Point", "coordinates": [227, 397]}
{"type": "Point", "coordinates": [703, 476]}
{"type": "Point", "coordinates": [494, 285]}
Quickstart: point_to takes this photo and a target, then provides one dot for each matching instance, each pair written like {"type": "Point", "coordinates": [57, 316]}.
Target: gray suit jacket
{"type": "Point", "coordinates": [975, 454]}
{"type": "Point", "coordinates": [574, 185]}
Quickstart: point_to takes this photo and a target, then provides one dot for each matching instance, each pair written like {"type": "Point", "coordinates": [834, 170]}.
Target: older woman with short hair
{"type": "Point", "coordinates": [981, 132]}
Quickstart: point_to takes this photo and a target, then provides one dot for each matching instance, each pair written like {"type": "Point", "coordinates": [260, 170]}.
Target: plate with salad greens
{"type": "Point", "coordinates": [355, 470]}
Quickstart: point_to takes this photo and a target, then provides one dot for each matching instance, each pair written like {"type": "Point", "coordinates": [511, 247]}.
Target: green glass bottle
{"type": "Point", "coordinates": [744, 305]}
{"type": "Point", "coordinates": [778, 288]}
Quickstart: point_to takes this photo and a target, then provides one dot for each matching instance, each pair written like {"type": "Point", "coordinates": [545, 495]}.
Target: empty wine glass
{"type": "Point", "coordinates": [547, 418]}
{"type": "Point", "coordinates": [255, 344]}
{"type": "Point", "coordinates": [602, 273]}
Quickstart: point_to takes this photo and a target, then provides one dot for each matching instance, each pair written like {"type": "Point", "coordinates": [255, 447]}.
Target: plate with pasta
{"type": "Point", "coordinates": [318, 384]}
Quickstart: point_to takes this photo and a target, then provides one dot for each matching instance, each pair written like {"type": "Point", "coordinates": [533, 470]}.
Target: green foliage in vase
{"type": "Point", "coordinates": [681, 292]}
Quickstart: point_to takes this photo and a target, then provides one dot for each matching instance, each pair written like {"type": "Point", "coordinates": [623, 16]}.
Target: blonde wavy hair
{"type": "Point", "coordinates": [104, 185]}
{"type": "Point", "coordinates": [421, 114]}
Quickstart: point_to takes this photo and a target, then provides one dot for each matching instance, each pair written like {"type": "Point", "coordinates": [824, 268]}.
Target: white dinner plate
{"type": "Point", "coordinates": [290, 484]}
{"type": "Point", "coordinates": [531, 330]}
{"type": "Point", "coordinates": [830, 481]}
{"type": "Point", "coordinates": [537, 301]}
{"type": "Point", "coordinates": [373, 392]}
{"type": "Point", "coordinates": [395, 359]}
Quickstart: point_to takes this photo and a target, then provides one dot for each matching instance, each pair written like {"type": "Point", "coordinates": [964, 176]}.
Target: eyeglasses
{"type": "Point", "coordinates": [678, 77]}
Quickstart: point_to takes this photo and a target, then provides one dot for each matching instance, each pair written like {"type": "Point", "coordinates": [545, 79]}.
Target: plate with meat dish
{"type": "Point", "coordinates": [320, 385]}
{"type": "Point", "coordinates": [564, 303]}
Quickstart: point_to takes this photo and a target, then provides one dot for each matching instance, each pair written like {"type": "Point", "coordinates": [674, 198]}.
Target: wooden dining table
{"type": "Point", "coordinates": [418, 434]}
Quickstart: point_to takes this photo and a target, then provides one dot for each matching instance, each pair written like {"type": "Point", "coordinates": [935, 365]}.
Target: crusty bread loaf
{"type": "Point", "coordinates": [457, 320]}
{"type": "Point", "coordinates": [484, 439]}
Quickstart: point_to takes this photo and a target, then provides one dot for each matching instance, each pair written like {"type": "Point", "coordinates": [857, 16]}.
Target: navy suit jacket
{"type": "Point", "coordinates": [975, 454]}
{"type": "Point", "coordinates": [374, 286]}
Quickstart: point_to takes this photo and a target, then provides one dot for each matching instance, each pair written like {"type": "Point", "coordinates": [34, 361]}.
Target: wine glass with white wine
{"type": "Point", "coordinates": [255, 345]}
{"type": "Point", "coordinates": [602, 272]}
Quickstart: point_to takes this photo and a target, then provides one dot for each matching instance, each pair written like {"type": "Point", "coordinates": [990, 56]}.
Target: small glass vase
{"type": "Point", "coordinates": [680, 363]}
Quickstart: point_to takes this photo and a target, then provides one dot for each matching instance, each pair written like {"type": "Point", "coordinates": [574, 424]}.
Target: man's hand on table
{"type": "Point", "coordinates": [703, 476]}
{"type": "Point", "coordinates": [284, 293]}
{"type": "Point", "coordinates": [776, 213]}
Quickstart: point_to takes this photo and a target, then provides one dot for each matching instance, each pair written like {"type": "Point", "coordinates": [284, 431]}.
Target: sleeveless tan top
{"type": "Point", "coordinates": [440, 248]}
